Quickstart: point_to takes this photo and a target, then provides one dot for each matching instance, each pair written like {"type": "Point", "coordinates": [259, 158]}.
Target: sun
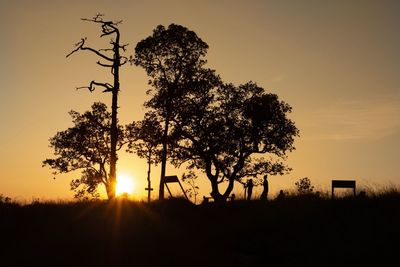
{"type": "Point", "coordinates": [125, 185]}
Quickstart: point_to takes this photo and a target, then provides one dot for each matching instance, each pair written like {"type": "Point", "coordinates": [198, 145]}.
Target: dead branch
{"type": "Point", "coordinates": [106, 49]}
{"type": "Point", "coordinates": [81, 47]}
{"type": "Point", "coordinates": [125, 60]}
{"type": "Point", "coordinates": [104, 65]}
{"type": "Point", "coordinates": [108, 87]}
{"type": "Point", "coordinates": [98, 18]}
{"type": "Point", "coordinates": [123, 47]}
{"type": "Point", "coordinates": [78, 46]}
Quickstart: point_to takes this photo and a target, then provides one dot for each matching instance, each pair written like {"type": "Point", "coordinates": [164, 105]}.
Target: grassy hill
{"type": "Point", "coordinates": [296, 231]}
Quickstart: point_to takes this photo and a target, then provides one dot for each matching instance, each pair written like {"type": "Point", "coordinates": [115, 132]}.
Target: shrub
{"type": "Point", "coordinates": [304, 186]}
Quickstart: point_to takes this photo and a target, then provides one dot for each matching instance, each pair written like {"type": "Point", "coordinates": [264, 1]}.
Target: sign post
{"type": "Point", "coordinates": [343, 184]}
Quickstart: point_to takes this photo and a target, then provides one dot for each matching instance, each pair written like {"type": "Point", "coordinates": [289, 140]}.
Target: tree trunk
{"type": "Point", "coordinates": [109, 190]}
{"type": "Point", "coordinates": [163, 159]}
{"type": "Point", "coordinates": [148, 177]}
{"type": "Point", "coordinates": [229, 188]}
{"type": "Point", "coordinates": [114, 127]}
{"type": "Point", "coordinates": [217, 196]}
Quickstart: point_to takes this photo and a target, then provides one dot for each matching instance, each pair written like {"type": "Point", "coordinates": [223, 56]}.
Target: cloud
{"type": "Point", "coordinates": [374, 118]}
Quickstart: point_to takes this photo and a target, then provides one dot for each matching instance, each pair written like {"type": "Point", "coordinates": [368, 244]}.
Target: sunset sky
{"type": "Point", "coordinates": [337, 63]}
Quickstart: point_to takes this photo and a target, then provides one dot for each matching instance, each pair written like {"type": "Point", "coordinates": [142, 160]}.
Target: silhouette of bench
{"type": "Point", "coordinates": [343, 184]}
{"type": "Point", "coordinates": [173, 179]}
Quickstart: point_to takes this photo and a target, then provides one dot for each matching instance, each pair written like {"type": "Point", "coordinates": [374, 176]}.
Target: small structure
{"type": "Point", "coordinates": [149, 189]}
{"type": "Point", "coordinates": [343, 184]}
{"type": "Point", "coordinates": [173, 179]}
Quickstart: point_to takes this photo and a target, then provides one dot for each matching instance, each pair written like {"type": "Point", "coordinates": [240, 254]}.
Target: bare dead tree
{"type": "Point", "coordinates": [114, 62]}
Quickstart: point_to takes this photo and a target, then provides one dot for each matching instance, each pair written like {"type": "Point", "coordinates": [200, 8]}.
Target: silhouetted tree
{"type": "Point", "coordinates": [86, 146]}
{"type": "Point", "coordinates": [230, 135]}
{"type": "Point", "coordinates": [304, 186]}
{"type": "Point", "coordinates": [193, 190]}
{"type": "Point", "coordinates": [144, 139]}
{"type": "Point", "coordinates": [173, 58]}
{"type": "Point", "coordinates": [4, 199]}
{"type": "Point", "coordinates": [113, 60]}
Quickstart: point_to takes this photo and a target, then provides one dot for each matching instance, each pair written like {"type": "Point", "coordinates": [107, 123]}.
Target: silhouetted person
{"type": "Point", "coordinates": [281, 195]}
{"type": "Point", "coordinates": [249, 188]}
{"type": "Point", "coordinates": [264, 194]}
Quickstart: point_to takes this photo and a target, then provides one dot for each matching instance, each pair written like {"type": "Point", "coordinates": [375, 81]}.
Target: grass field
{"type": "Point", "coordinates": [295, 231]}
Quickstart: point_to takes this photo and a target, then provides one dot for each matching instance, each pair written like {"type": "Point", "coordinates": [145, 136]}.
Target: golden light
{"type": "Point", "coordinates": [125, 185]}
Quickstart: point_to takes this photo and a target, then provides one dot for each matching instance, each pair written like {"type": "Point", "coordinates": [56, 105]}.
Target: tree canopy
{"type": "Point", "coordinates": [145, 138]}
{"type": "Point", "coordinates": [86, 147]}
{"type": "Point", "coordinates": [227, 131]}
{"type": "Point", "coordinates": [231, 135]}
{"type": "Point", "coordinates": [173, 58]}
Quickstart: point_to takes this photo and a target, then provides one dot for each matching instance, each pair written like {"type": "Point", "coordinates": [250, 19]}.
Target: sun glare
{"type": "Point", "coordinates": [125, 185]}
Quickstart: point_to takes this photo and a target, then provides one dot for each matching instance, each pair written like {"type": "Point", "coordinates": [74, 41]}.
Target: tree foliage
{"type": "Point", "coordinates": [173, 58]}
{"type": "Point", "coordinates": [304, 186]}
{"type": "Point", "coordinates": [190, 179]}
{"type": "Point", "coordinates": [229, 132]}
{"type": "Point", "coordinates": [230, 135]}
{"type": "Point", "coordinates": [86, 147]}
{"type": "Point", "coordinates": [145, 138]}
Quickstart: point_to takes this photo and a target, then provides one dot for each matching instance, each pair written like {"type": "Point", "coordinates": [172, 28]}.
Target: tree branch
{"type": "Point", "coordinates": [80, 46]}
{"type": "Point", "coordinates": [104, 65]}
{"type": "Point", "coordinates": [125, 61]}
{"type": "Point", "coordinates": [121, 144]}
{"type": "Point", "coordinates": [123, 47]}
{"type": "Point", "coordinates": [108, 87]}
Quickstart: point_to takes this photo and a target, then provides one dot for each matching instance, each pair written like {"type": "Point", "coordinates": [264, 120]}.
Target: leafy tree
{"type": "Point", "coordinates": [113, 60]}
{"type": "Point", "coordinates": [86, 147]}
{"type": "Point", "coordinates": [230, 133]}
{"type": "Point", "coordinates": [193, 190]}
{"type": "Point", "coordinates": [144, 139]}
{"type": "Point", "coordinates": [173, 58]}
{"type": "Point", "coordinates": [304, 186]}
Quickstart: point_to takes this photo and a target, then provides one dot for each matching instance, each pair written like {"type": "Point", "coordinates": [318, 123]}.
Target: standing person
{"type": "Point", "coordinates": [264, 194]}
{"type": "Point", "coordinates": [249, 188]}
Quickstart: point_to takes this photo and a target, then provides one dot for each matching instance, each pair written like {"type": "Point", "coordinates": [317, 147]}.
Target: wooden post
{"type": "Point", "coordinates": [148, 189]}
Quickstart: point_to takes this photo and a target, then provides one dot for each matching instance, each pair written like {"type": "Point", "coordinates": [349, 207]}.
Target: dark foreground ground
{"type": "Point", "coordinates": [290, 232]}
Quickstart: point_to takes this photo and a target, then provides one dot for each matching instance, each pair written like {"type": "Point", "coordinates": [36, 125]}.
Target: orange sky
{"type": "Point", "coordinates": [337, 63]}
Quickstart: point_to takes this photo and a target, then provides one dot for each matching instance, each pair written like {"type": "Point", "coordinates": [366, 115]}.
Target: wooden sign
{"type": "Point", "coordinates": [343, 184]}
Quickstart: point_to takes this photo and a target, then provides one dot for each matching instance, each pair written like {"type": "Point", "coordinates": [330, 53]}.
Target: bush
{"type": "Point", "coordinates": [4, 199]}
{"type": "Point", "coordinates": [304, 186]}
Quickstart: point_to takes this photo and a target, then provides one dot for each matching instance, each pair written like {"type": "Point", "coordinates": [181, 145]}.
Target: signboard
{"type": "Point", "coordinates": [343, 184]}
